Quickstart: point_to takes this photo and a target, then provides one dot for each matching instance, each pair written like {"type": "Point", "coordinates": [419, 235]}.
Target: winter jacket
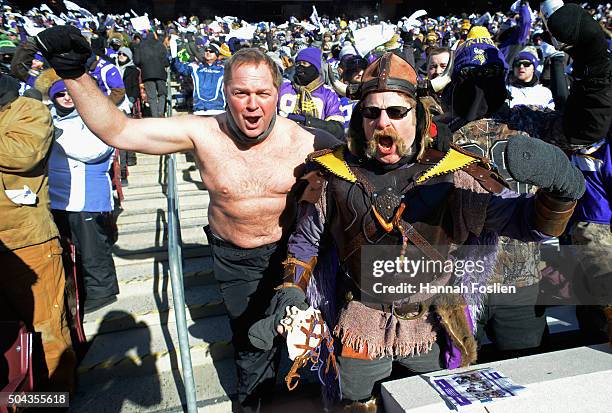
{"type": "Point", "coordinates": [152, 58]}
{"type": "Point", "coordinates": [26, 134]}
{"type": "Point", "coordinates": [78, 168]}
{"type": "Point", "coordinates": [109, 81]}
{"type": "Point", "coordinates": [326, 99]}
{"type": "Point", "coordinates": [207, 84]}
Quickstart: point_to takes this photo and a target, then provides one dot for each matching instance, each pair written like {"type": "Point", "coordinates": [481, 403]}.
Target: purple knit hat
{"type": "Point", "coordinates": [478, 50]}
{"type": "Point", "coordinates": [311, 55]}
{"type": "Point", "coordinates": [528, 56]}
{"type": "Point", "coordinates": [57, 87]}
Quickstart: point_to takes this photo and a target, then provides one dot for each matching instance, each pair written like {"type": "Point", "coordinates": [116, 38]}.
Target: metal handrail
{"type": "Point", "coordinates": [175, 260]}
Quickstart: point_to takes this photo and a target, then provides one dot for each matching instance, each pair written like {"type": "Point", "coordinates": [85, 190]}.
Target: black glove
{"type": "Point", "coordinates": [444, 137]}
{"type": "Point", "coordinates": [263, 332]}
{"type": "Point", "coordinates": [533, 161]}
{"type": "Point", "coordinates": [65, 49]}
{"type": "Point", "coordinates": [574, 26]}
{"type": "Point", "coordinates": [406, 36]}
{"type": "Point", "coordinates": [331, 126]}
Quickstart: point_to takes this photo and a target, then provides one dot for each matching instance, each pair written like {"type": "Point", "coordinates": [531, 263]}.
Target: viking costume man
{"type": "Point", "coordinates": [433, 201]}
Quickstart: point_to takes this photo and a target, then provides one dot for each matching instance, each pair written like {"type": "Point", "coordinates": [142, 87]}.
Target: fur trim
{"type": "Point", "coordinates": [451, 309]}
{"type": "Point", "coordinates": [371, 406]}
{"type": "Point", "coordinates": [45, 80]}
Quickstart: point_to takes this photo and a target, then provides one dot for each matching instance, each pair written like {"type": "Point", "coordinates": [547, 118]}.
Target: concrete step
{"type": "Point", "coordinates": [155, 347]}
{"type": "Point", "coordinates": [159, 192]}
{"type": "Point", "coordinates": [153, 222]}
{"type": "Point", "coordinates": [144, 159]}
{"type": "Point", "coordinates": [127, 257]}
{"type": "Point", "coordinates": [158, 166]}
{"type": "Point", "coordinates": [215, 385]}
{"type": "Point", "coordinates": [186, 212]}
{"type": "Point", "coordinates": [148, 305]}
{"type": "Point", "coordinates": [156, 178]}
{"type": "Point", "coordinates": [156, 239]}
{"type": "Point", "coordinates": [154, 204]}
{"type": "Point", "coordinates": [156, 188]}
{"type": "Point", "coordinates": [133, 286]}
{"type": "Point", "coordinates": [133, 268]}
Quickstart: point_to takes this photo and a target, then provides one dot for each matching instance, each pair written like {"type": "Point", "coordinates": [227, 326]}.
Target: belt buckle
{"type": "Point", "coordinates": [422, 310]}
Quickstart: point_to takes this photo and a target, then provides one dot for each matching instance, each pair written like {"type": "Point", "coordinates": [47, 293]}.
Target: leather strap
{"type": "Point", "coordinates": [400, 310]}
{"type": "Point", "coordinates": [552, 214]}
{"type": "Point", "coordinates": [419, 241]}
{"type": "Point", "coordinates": [290, 271]}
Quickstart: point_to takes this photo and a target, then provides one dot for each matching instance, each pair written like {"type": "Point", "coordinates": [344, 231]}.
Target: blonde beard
{"type": "Point", "coordinates": [401, 145]}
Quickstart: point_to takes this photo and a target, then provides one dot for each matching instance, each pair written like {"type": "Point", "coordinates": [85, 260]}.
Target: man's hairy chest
{"type": "Point", "coordinates": [241, 175]}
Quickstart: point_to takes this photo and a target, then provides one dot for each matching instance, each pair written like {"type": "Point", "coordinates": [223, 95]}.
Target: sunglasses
{"type": "Point", "coordinates": [481, 71]}
{"type": "Point", "coordinates": [121, 54]}
{"type": "Point", "coordinates": [60, 94]}
{"type": "Point", "coordinates": [394, 112]}
{"type": "Point", "coordinates": [210, 51]}
{"type": "Point", "coordinates": [524, 63]}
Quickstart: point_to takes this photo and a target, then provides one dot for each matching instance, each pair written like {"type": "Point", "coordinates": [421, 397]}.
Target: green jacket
{"type": "Point", "coordinates": [26, 135]}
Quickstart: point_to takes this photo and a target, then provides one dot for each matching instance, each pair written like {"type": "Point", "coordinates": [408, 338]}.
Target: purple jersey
{"type": "Point", "coordinates": [596, 166]}
{"type": "Point", "coordinates": [346, 106]}
{"type": "Point", "coordinates": [107, 76]}
{"type": "Point", "coordinates": [324, 97]}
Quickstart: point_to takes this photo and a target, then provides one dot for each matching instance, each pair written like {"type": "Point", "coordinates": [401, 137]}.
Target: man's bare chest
{"type": "Point", "coordinates": [243, 175]}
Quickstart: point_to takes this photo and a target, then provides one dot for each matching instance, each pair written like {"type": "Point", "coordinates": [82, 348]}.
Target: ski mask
{"type": "Point", "coordinates": [477, 95]}
{"type": "Point", "coordinates": [478, 86]}
{"type": "Point", "coordinates": [305, 75]}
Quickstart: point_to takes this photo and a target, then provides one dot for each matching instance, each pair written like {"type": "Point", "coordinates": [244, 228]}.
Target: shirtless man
{"type": "Point", "coordinates": [249, 161]}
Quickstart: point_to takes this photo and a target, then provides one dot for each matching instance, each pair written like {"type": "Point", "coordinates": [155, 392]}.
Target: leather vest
{"type": "Point", "coordinates": [353, 224]}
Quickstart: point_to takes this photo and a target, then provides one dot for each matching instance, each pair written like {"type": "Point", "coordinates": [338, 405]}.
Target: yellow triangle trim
{"type": "Point", "coordinates": [452, 161]}
{"type": "Point", "coordinates": [334, 162]}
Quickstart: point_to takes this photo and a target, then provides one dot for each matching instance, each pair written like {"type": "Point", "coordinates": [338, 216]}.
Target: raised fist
{"type": "Point", "coordinates": [65, 49]}
{"type": "Point", "coordinates": [533, 161]}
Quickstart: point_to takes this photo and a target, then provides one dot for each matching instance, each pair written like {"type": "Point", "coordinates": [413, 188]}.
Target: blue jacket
{"type": "Point", "coordinates": [78, 168]}
{"type": "Point", "coordinates": [207, 84]}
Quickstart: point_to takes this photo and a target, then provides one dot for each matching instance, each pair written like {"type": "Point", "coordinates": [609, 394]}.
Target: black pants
{"type": "Point", "coordinates": [513, 321]}
{"type": "Point", "coordinates": [361, 378]}
{"type": "Point", "coordinates": [90, 234]}
{"type": "Point", "coordinates": [156, 90]}
{"type": "Point", "coordinates": [247, 278]}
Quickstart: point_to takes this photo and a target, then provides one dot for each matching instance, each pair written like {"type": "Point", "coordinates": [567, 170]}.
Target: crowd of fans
{"type": "Point", "coordinates": [322, 60]}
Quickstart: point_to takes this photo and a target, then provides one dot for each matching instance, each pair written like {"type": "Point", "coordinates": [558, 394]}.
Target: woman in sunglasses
{"type": "Point", "coordinates": [524, 85]}
{"type": "Point", "coordinates": [80, 191]}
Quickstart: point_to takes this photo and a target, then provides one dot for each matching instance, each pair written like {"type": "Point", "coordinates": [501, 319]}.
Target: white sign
{"type": "Point", "coordinates": [141, 23]}
{"type": "Point", "coordinates": [369, 38]}
{"type": "Point", "coordinates": [243, 33]}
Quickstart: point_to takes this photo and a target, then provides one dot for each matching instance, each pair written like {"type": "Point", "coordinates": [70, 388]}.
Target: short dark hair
{"type": "Point", "coordinates": [255, 57]}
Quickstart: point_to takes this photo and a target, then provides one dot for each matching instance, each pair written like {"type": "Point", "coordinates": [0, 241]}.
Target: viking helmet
{"type": "Point", "coordinates": [388, 73]}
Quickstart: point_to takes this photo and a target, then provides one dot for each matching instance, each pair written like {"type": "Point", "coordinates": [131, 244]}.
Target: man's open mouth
{"type": "Point", "coordinates": [385, 144]}
{"type": "Point", "coordinates": [251, 121]}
